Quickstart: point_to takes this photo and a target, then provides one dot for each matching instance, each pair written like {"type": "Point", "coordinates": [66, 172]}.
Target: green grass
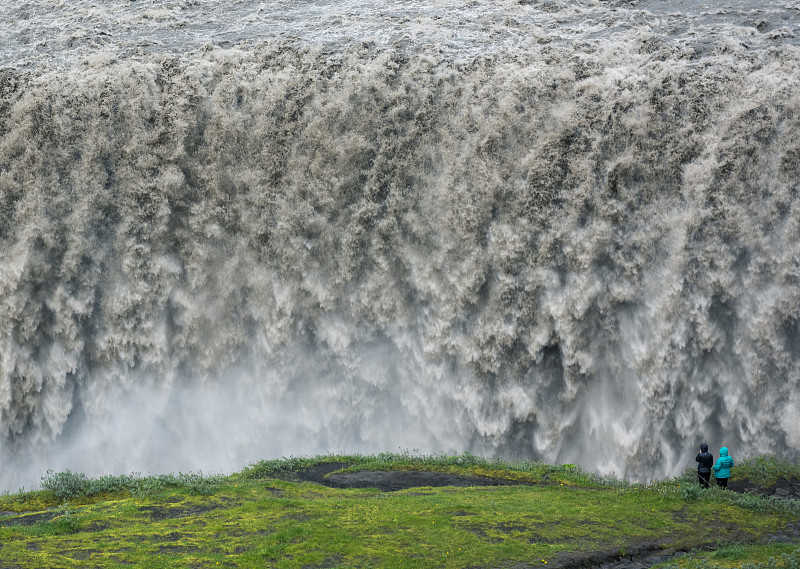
{"type": "Point", "coordinates": [466, 463]}
{"type": "Point", "coordinates": [260, 517]}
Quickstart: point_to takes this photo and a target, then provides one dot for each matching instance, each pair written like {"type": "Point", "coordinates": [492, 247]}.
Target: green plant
{"type": "Point", "coordinates": [65, 522]}
{"type": "Point", "coordinates": [66, 485]}
{"type": "Point", "coordinates": [732, 551]}
{"type": "Point", "coordinates": [69, 485]}
{"type": "Point", "coordinates": [691, 491]}
{"type": "Point", "coordinates": [785, 561]}
{"type": "Point", "coordinates": [267, 468]}
{"type": "Point", "coordinates": [766, 469]}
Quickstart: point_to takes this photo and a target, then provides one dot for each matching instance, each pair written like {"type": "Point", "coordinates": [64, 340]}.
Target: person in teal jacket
{"type": "Point", "coordinates": [722, 469]}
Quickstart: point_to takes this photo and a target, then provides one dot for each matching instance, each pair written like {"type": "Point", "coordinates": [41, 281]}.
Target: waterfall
{"type": "Point", "coordinates": [550, 230]}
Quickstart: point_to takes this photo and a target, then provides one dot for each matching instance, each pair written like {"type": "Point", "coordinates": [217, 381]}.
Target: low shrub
{"type": "Point", "coordinates": [785, 561]}
{"type": "Point", "coordinates": [766, 469]}
{"type": "Point", "coordinates": [692, 492]}
{"type": "Point", "coordinates": [66, 485]}
{"type": "Point", "coordinates": [69, 485]}
{"type": "Point", "coordinates": [731, 556]}
{"type": "Point", "coordinates": [267, 468]}
{"type": "Point", "coordinates": [761, 503]}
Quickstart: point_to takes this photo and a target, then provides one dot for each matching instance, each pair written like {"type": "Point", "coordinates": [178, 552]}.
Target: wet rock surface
{"type": "Point", "coordinates": [782, 488]}
{"type": "Point", "coordinates": [642, 556]}
{"type": "Point", "coordinates": [789, 535]}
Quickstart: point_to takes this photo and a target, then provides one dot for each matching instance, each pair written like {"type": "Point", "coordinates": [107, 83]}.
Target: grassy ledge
{"type": "Point", "coordinates": [265, 516]}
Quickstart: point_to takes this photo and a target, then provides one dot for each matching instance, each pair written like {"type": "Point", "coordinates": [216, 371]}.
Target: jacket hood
{"type": "Point", "coordinates": [704, 447]}
{"type": "Point", "coordinates": [723, 451]}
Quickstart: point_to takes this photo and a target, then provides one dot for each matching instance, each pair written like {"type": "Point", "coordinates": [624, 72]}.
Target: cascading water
{"type": "Point", "coordinates": [558, 230]}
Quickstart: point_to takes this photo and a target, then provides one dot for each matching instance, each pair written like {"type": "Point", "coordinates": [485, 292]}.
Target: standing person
{"type": "Point", "coordinates": [722, 470]}
{"type": "Point", "coordinates": [705, 460]}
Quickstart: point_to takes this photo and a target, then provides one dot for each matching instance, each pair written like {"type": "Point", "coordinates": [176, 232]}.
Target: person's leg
{"type": "Point", "coordinates": [722, 482]}
{"type": "Point", "coordinates": [704, 476]}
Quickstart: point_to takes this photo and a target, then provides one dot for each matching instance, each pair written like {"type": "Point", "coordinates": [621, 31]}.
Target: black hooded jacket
{"type": "Point", "coordinates": [705, 460]}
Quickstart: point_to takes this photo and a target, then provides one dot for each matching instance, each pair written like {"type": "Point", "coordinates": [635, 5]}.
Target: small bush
{"type": "Point", "coordinates": [762, 503]}
{"type": "Point", "coordinates": [692, 492]}
{"type": "Point", "coordinates": [196, 483]}
{"type": "Point", "coordinates": [267, 468]}
{"type": "Point", "coordinates": [66, 485]}
{"type": "Point", "coordinates": [766, 469]}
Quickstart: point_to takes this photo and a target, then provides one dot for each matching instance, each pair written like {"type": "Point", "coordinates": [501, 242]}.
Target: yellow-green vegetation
{"type": "Point", "coordinates": [265, 517]}
{"type": "Point", "coordinates": [738, 556]}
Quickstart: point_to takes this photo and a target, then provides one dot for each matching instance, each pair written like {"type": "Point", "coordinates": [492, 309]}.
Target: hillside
{"type": "Point", "coordinates": [401, 511]}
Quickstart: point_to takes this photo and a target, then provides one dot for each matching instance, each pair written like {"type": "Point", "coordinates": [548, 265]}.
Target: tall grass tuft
{"type": "Point", "coordinates": [69, 485]}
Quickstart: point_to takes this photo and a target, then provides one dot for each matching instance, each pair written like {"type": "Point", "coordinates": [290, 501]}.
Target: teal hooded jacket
{"type": "Point", "coordinates": [722, 469]}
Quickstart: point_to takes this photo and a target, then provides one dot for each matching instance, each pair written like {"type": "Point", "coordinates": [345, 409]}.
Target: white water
{"type": "Point", "coordinates": [553, 230]}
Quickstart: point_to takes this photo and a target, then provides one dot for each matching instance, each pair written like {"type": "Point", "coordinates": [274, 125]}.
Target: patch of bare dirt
{"type": "Point", "coordinates": [327, 563]}
{"type": "Point", "coordinates": [390, 480]}
{"type": "Point", "coordinates": [168, 513]}
{"type": "Point", "coordinates": [28, 519]}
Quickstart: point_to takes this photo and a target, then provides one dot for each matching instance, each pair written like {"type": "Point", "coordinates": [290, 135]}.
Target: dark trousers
{"type": "Point", "coordinates": [703, 478]}
{"type": "Point", "coordinates": [722, 482]}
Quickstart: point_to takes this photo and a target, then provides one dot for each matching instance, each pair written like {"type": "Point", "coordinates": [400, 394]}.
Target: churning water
{"type": "Point", "coordinates": [561, 230]}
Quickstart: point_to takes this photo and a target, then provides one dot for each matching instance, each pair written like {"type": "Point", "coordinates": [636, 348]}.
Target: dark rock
{"type": "Point", "coordinates": [782, 488]}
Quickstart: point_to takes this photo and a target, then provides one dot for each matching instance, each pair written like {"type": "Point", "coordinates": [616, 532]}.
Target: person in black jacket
{"type": "Point", "coordinates": [705, 460]}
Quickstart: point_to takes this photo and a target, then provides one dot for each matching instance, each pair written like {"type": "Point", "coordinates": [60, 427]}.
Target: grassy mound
{"type": "Point", "coordinates": [268, 516]}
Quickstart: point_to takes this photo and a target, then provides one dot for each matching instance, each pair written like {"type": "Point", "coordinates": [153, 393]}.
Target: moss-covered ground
{"type": "Point", "coordinates": [555, 516]}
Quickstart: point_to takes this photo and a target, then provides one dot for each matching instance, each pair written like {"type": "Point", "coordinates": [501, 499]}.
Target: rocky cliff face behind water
{"type": "Point", "coordinates": [563, 232]}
